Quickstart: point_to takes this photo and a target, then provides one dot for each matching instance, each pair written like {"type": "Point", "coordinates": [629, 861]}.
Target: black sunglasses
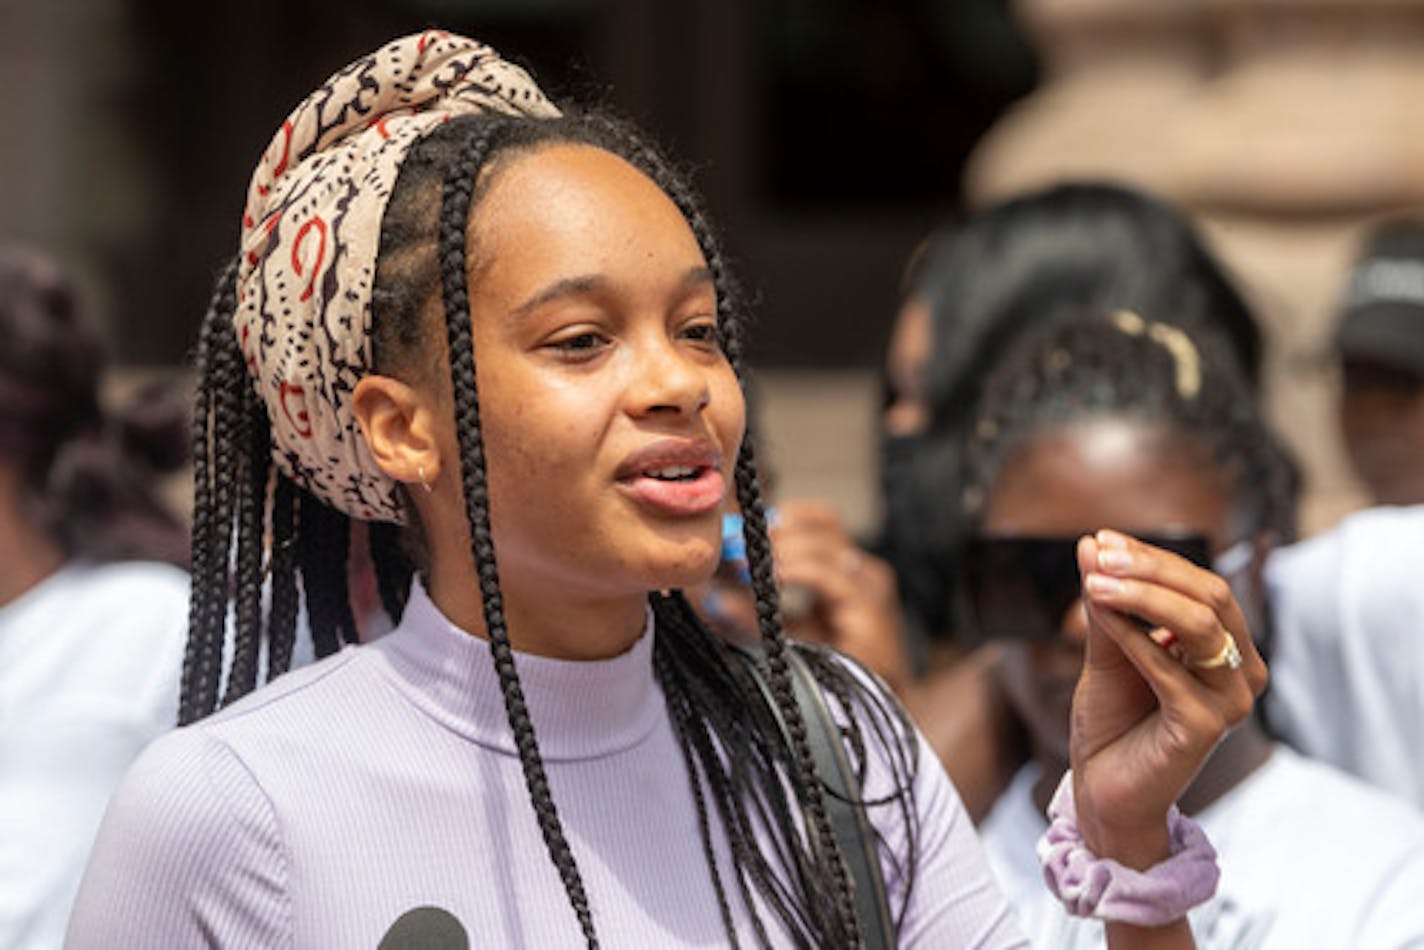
{"type": "Point", "coordinates": [1020, 587]}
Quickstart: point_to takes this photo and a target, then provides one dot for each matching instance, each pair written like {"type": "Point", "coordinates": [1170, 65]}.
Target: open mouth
{"type": "Point", "coordinates": [675, 477]}
{"type": "Point", "coordinates": [675, 473]}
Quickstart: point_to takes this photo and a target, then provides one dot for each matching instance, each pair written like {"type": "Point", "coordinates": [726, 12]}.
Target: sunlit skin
{"type": "Point", "coordinates": [594, 326]}
{"type": "Point", "coordinates": [1070, 482]}
{"type": "Point", "coordinates": [1382, 419]}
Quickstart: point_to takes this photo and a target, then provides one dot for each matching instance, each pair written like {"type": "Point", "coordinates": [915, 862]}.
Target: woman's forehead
{"type": "Point", "coordinates": [571, 185]}
{"type": "Point", "coordinates": [1109, 472]}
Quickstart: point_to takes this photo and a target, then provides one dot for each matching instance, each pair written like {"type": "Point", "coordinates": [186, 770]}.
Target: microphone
{"type": "Point", "coordinates": [426, 928]}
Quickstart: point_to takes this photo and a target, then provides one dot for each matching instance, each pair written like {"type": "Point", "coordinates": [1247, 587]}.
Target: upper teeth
{"type": "Point", "coordinates": [673, 471]}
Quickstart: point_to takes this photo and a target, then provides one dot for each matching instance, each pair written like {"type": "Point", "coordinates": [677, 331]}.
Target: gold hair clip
{"type": "Point", "coordinates": [1175, 341]}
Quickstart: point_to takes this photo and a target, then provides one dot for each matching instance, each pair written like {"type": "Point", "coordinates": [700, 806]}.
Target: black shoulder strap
{"type": "Point", "coordinates": [844, 807]}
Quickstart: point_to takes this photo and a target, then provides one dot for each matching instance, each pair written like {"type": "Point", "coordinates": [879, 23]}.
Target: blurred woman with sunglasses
{"type": "Point", "coordinates": [972, 292]}
{"type": "Point", "coordinates": [1150, 429]}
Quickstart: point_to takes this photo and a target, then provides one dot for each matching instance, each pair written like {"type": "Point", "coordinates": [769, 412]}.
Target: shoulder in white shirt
{"type": "Point", "coordinates": [1347, 665]}
{"type": "Point", "coordinates": [90, 661]}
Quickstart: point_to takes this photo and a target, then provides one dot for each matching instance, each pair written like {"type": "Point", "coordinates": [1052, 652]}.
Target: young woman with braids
{"type": "Point", "coordinates": [92, 621]}
{"type": "Point", "coordinates": [511, 331]}
{"type": "Point", "coordinates": [1141, 426]}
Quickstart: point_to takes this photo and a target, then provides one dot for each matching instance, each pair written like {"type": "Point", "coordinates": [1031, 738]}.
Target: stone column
{"type": "Point", "coordinates": [1282, 126]}
{"type": "Point", "coordinates": [1312, 128]}
{"type": "Point", "coordinates": [1115, 75]}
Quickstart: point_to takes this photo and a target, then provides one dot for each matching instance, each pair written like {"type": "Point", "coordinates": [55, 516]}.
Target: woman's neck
{"type": "Point", "coordinates": [28, 554]}
{"type": "Point", "coordinates": [544, 622]}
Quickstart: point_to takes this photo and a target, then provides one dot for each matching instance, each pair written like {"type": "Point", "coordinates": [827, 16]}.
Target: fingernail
{"type": "Point", "coordinates": [1114, 559]}
{"type": "Point", "coordinates": [1102, 584]}
{"type": "Point", "coordinates": [1111, 539]}
{"type": "Point", "coordinates": [1163, 637]}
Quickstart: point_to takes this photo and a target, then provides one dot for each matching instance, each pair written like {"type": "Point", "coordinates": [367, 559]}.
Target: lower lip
{"type": "Point", "coordinates": [679, 499]}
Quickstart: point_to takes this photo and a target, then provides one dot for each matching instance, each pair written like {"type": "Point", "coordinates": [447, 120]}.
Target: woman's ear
{"type": "Point", "coordinates": [398, 422]}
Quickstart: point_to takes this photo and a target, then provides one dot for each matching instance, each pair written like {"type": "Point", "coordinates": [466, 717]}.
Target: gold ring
{"type": "Point", "coordinates": [1229, 656]}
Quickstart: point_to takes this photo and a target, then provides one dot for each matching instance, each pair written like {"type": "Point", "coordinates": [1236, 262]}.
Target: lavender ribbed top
{"type": "Point", "coordinates": [318, 810]}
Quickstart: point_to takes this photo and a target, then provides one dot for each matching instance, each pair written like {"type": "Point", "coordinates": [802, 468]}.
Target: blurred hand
{"type": "Point", "coordinates": [835, 593]}
{"type": "Point", "coordinates": [1145, 718]}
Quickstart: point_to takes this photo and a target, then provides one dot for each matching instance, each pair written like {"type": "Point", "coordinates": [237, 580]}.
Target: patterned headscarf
{"type": "Point", "coordinates": [310, 232]}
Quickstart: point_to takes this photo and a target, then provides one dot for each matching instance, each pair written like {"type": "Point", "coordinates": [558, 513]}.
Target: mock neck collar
{"type": "Point", "coordinates": [580, 709]}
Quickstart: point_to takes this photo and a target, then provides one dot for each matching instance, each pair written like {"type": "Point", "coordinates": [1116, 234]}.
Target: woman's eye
{"type": "Point", "coordinates": [703, 333]}
{"type": "Point", "coordinates": [579, 344]}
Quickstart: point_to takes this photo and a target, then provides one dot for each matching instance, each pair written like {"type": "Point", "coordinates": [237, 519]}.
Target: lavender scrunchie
{"type": "Point", "coordinates": [1090, 886]}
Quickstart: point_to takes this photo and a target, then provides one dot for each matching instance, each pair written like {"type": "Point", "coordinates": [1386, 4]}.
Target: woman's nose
{"type": "Point", "coordinates": [667, 380]}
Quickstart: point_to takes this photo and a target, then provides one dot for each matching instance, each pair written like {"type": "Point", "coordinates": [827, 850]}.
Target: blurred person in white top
{"type": "Point", "coordinates": [93, 601]}
{"type": "Point", "coordinates": [1348, 681]}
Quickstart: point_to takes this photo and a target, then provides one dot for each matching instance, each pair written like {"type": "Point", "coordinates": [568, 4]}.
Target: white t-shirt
{"type": "Point", "coordinates": [1347, 669]}
{"type": "Point", "coordinates": [1309, 858]}
{"type": "Point", "coordinates": [89, 669]}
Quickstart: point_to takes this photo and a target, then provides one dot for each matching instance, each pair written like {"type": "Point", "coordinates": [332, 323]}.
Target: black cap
{"type": "Point", "coordinates": [1382, 318]}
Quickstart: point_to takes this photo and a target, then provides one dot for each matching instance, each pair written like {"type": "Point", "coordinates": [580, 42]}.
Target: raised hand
{"type": "Point", "coordinates": [1151, 705]}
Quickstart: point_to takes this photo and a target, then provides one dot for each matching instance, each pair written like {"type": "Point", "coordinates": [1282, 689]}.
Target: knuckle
{"type": "Point", "coordinates": [1216, 721]}
{"type": "Point", "coordinates": [1239, 703]}
{"type": "Point", "coordinates": [1203, 726]}
{"type": "Point", "coordinates": [1203, 622]}
{"type": "Point", "coordinates": [1219, 595]}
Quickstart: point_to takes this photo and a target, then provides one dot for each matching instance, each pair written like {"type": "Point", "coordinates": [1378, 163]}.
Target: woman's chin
{"type": "Point", "coordinates": [686, 565]}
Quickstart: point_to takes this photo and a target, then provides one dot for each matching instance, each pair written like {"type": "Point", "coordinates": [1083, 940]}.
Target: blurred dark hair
{"type": "Point", "coordinates": [1066, 249]}
{"type": "Point", "coordinates": [1179, 380]}
{"type": "Point", "coordinates": [1069, 248]}
{"type": "Point", "coordinates": [88, 476]}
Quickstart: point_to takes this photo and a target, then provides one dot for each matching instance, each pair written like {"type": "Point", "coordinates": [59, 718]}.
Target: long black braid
{"type": "Point", "coordinates": [454, 216]}
{"type": "Point", "coordinates": [393, 567]}
{"type": "Point", "coordinates": [764, 788]}
{"type": "Point", "coordinates": [253, 474]}
{"type": "Point", "coordinates": [219, 388]}
{"type": "Point", "coordinates": [242, 508]}
{"type": "Point", "coordinates": [768, 602]}
{"type": "Point", "coordinates": [323, 551]}
{"type": "Point", "coordinates": [282, 618]}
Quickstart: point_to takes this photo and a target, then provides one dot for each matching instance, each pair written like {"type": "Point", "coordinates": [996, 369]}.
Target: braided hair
{"type": "Point", "coordinates": [1176, 377]}
{"type": "Point", "coordinates": [764, 787]}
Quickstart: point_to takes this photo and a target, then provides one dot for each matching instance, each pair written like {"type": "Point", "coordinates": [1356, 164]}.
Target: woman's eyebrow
{"type": "Point", "coordinates": [567, 287]}
{"type": "Point", "coordinates": [698, 275]}
{"type": "Point", "coordinates": [584, 284]}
